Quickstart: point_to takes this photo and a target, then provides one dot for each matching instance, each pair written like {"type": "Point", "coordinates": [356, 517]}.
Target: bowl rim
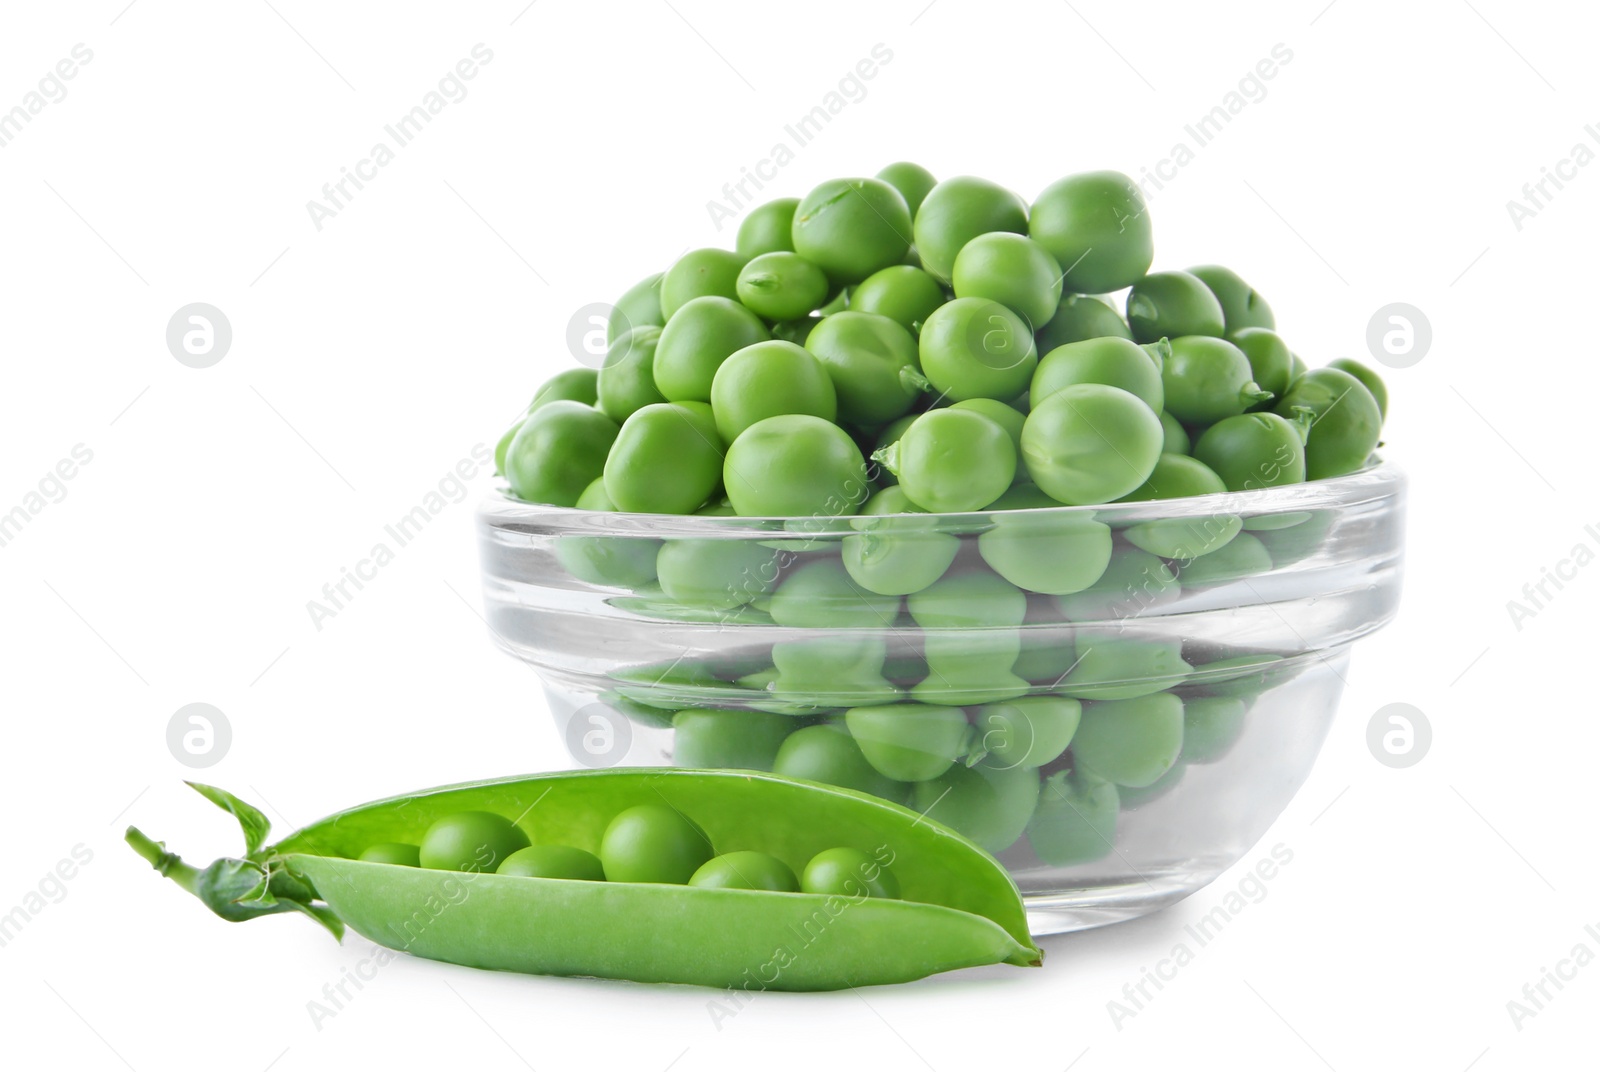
{"type": "Point", "coordinates": [1379, 480]}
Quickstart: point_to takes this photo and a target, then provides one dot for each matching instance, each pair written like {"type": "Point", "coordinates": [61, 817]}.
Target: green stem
{"type": "Point", "coordinates": [169, 864]}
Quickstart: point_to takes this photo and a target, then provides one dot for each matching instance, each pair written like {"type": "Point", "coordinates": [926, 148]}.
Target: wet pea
{"type": "Point", "coordinates": [823, 595]}
{"type": "Point", "coordinates": [1051, 553]}
{"type": "Point", "coordinates": [1132, 741]}
{"type": "Point", "coordinates": [841, 670]}
{"type": "Point", "coordinates": [909, 742]}
{"type": "Point", "coordinates": [990, 805]}
{"type": "Point", "coordinates": [1134, 582]}
{"type": "Point", "coordinates": [1243, 556]}
{"type": "Point", "coordinates": [898, 555]}
{"type": "Point", "coordinates": [1076, 820]}
{"type": "Point", "coordinates": [1029, 731]}
{"type": "Point", "coordinates": [617, 561]}
{"type": "Point", "coordinates": [970, 668]}
{"type": "Point", "coordinates": [829, 755]}
{"type": "Point", "coordinates": [1120, 668]}
{"type": "Point", "coordinates": [716, 574]}
{"type": "Point", "coordinates": [1212, 725]}
{"type": "Point", "coordinates": [711, 737]}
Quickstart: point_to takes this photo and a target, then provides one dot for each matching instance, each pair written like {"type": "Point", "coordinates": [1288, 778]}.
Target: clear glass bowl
{"type": "Point", "coordinates": [1242, 606]}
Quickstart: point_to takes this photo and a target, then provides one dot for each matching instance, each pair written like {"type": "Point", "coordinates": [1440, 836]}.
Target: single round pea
{"type": "Point", "coordinates": [958, 210]}
{"type": "Point", "coordinates": [970, 669]}
{"type": "Point", "coordinates": [1120, 668]}
{"type": "Point", "coordinates": [697, 340]}
{"type": "Point", "coordinates": [847, 872]}
{"type": "Point", "coordinates": [576, 385]}
{"type": "Point", "coordinates": [850, 228]}
{"type": "Point", "coordinates": [746, 870]}
{"type": "Point", "coordinates": [558, 451]}
{"type": "Point", "coordinates": [872, 361]}
{"type": "Point", "coordinates": [781, 286]}
{"type": "Point", "coordinates": [795, 465]}
{"type": "Point", "coordinates": [711, 738]}
{"type": "Point", "coordinates": [1242, 307]}
{"type": "Point", "coordinates": [909, 742]}
{"type": "Point", "coordinates": [767, 229]}
{"type": "Point", "coordinates": [1175, 438]}
{"type": "Point", "coordinates": [392, 852]}
{"type": "Point", "coordinates": [1134, 581]}
{"type": "Point", "coordinates": [1345, 421]}
{"type": "Point", "coordinates": [470, 841]}
{"type": "Point", "coordinates": [1212, 725]}
{"type": "Point", "coordinates": [1206, 379]}
{"type": "Point", "coordinates": [1169, 304]}
{"type": "Point", "coordinates": [977, 348]}
{"type": "Point", "coordinates": [832, 670]}
{"type": "Point", "coordinates": [618, 561]}
{"type": "Point", "coordinates": [553, 861]}
{"type": "Point", "coordinates": [700, 273]}
{"type": "Point", "coordinates": [1029, 731]}
{"type": "Point", "coordinates": [1054, 553]}
{"type": "Point", "coordinates": [989, 805]}
{"type": "Point", "coordinates": [1080, 317]}
{"type": "Point", "coordinates": [1011, 269]}
{"type": "Point", "coordinates": [769, 379]}
{"type": "Point", "coordinates": [1004, 414]}
{"type": "Point", "coordinates": [1369, 379]}
{"type": "Point", "coordinates": [627, 380]}
{"type": "Point", "coordinates": [912, 180]}
{"type": "Point", "coordinates": [653, 843]}
{"type": "Point", "coordinates": [719, 574]}
{"type": "Point", "coordinates": [968, 599]}
{"type": "Point", "coordinates": [1096, 226]}
{"type": "Point", "coordinates": [1131, 742]}
{"type": "Point", "coordinates": [1254, 450]}
{"type": "Point", "coordinates": [1178, 476]}
{"type": "Point", "coordinates": [1090, 443]}
{"type": "Point", "coordinates": [898, 555]}
{"type": "Point", "coordinates": [1112, 361]}
{"type": "Point", "coordinates": [829, 755]}
{"type": "Point", "coordinates": [904, 294]}
{"type": "Point", "coordinates": [823, 595]}
{"type": "Point", "coordinates": [1242, 556]}
{"type": "Point", "coordinates": [667, 459]}
{"type": "Point", "coordinates": [639, 307]}
{"type": "Point", "coordinates": [952, 460]}
{"type": "Point", "coordinates": [1271, 363]}
{"type": "Point", "coordinates": [1076, 822]}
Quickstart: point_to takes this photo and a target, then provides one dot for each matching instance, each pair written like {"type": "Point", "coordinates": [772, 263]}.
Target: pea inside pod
{"type": "Point", "coordinates": [957, 906]}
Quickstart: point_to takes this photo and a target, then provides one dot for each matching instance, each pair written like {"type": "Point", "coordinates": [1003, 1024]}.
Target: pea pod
{"type": "Point", "coordinates": [959, 907]}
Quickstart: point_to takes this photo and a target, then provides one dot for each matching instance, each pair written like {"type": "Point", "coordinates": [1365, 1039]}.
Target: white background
{"type": "Point", "coordinates": [371, 356]}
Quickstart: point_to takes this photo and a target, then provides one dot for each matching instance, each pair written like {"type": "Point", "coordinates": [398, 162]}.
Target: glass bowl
{"type": "Point", "coordinates": [1198, 646]}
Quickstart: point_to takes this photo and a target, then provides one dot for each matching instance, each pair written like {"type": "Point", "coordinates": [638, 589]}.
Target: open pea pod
{"type": "Point", "coordinates": [958, 908]}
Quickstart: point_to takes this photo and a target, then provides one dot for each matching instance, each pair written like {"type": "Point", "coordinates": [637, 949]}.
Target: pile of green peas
{"type": "Point", "coordinates": [645, 843]}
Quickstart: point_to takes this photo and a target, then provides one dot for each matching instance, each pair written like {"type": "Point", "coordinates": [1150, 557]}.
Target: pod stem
{"type": "Point", "coordinates": [914, 379]}
{"type": "Point", "coordinates": [888, 457]}
{"type": "Point", "coordinates": [168, 864]}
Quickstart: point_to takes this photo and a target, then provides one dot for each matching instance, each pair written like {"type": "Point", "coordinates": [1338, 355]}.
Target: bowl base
{"type": "Point", "coordinates": [1081, 910]}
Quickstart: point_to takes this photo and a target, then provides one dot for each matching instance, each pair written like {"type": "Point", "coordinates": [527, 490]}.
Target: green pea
{"type": "Point", "coordinates": [899, 554]}
{"type": "Point", "coordinates": [653, 843]}
{"type": "Point", "coordinates": [700, 273]}
{"type": "Point", "coordinates": [713, 738]}
{"type": "Point", "coordinates": [823, 595]}
{"type": "Point", "coordinates": [1080, 317]}
{"type": "Point", "coordinates": [470, 841]}
{"type": "Point", "coordinates": [977, 348]}
{"type": "Point", "coordinates": [639, 307]}
{"type": "Point", "coordinates": [1292, 543]}
{"type": "Point", "coordinates": [781, 286]}
{"type": "Point", "coordinates": [504, 444]}
{"type": "Point", "coordinates": [1131, 742]}
{"type": "Point", "coordinates": [952, 461]}
{"type": "Point", "coordinates": [1052, 553]}
{"type": "Point", "coordinates": [1029, 731]}
{"type": "Point", "coordinates": [667, 459]}
{"type": "Point", "coordinates": [1047, 651]}
{"type": "Point", "coordinates": [697, 340]}
{"type": "Point", "coordinates": [968, 599]}
{"type": "Point", "coordinates": [1175, 438]}
{"type": "Point", "coordinates": [1207, 379]}
{"type": "Point", "coordinates": [901, 292]}
{"type": "Point", "coordinates": [559, 450]}
{"type": "Point", "coordinates": [1179, 476]}
{"type": "Point", "coordinates": [965, 668]}
{"type": "Point", "coordinates": [618, 561]}
{"type": "Point", "coordinates": [1136, 798]}
{"type": "Point", "coordinates": [1134, 581]}
{"type": "Point", "coordinates": [890, 500]}
{"type": "Point", "coordinates": [872, 361]}
{"type": "Point", "coordinates": [795, 465]}
{"type": "Point", "coordinates": [847, 872]}
{"type": "Point", "coordinates": [769, 379]}
{"type": "Point", "coordinates": [1212, 725]}
{"type": "Point", "coordinates": [1011, 269]}
{"type": "Point", "coordinates": [1169, 304]}
{"type": "Point", "coordinates": [1255, 450]}
{"type": "Point", "coordinates": [393, 852]}
{"type": "Point", "coordinates": [1090, 443]}
{"type": "Point", "coordinates": [1111, 361]}
{"type": "Point", "coordinates": [767, 229]}
{"type": "Point", "coordinates": [850, 228]}
{"type": "Point", "coordinates": [717, 574]}
{"type": "Point", "coordinates": [1345, 421]}
{"type": "Point", "coordinates": [575, 385]}
{"type": "Point", "coordinates": [1243, 677]}
{"type": "Point", "coordinates": [746, 870]}
{"type": "Point", "coordinates": [1369, 379]}
{"type": "Point", "coordinates": [1096, 226]}
{"type": "Point", "coordinates": [989, 805]}
{"type": "Point", "coordinates": [958, 210]}
{"type": "Point", "coordinates": [1242, 556]}
{"type": "Point", "coordinates": [1076, 821]}
{"type": "Point", "coordinates": [841, 670]}
{"type": "Point", "coordinates": [1271, 363]}
{"type": "Point", "coordinates": [912, 180]}
{"type": "Point", "coordinates": [829, 755]}
{"type": "Point", "coordinates": [626, 381]}
{"type": "Point", "coordinates": [1242, 307]}
{"type": "Point", "coordinates": [1121, 668]}
{"type": "Point", "coordinates": [553, 861]}
{"type": "Point", "coordinates": [909, 742]}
